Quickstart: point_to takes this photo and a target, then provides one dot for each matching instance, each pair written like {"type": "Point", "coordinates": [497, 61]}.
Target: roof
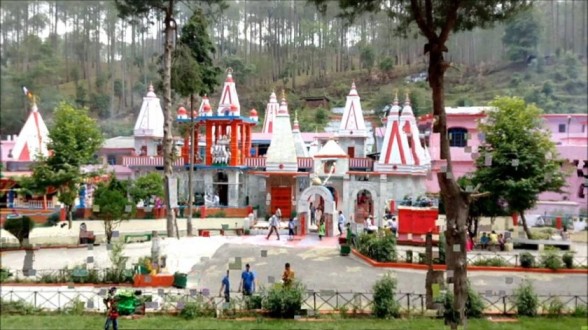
{"type": "Point", "coordinates": [33, 138]}
{"type": "Point", "coordinates": [331, 149]}
{"type": "Point", "coordinates": [352, 122]}
{"type": "Point", "coordinates": [120, 142]}
{"type": "Point", "coordinates": [307, 137]}
{"type": "Point", "coordinates": [228, 104]}
{"type": "Point", "coordinates": [281, 154]}
{"type": "Point", "coordinates": [270, 114]}
{"type": "Point", "coordinates": [150, 120]}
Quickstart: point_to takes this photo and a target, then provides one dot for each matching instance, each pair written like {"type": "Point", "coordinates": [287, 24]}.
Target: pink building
{"type": "Point", "coordinates": [568, 132]}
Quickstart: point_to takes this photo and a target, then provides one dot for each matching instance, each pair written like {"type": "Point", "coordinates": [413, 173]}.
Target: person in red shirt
{"type": "Point", "coordinates": [112, 316]}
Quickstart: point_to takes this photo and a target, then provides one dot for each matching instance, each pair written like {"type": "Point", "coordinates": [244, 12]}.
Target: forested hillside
{"type": "Point", "coordinates": [81, 51]}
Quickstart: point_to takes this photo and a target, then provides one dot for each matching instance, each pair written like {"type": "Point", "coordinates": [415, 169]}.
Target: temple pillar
{"type": "Point", "coordinates": [234, 192]}
{"type": "Point", "coordinates": [234, 145]}
{"type": "Point", "coordinates": [195, 141]}
{"type": "Point", "coordinates": [243, 143]}
{"type": "Point", "coordinates": [186, 149]}
{"type": "Point", "coordinates": [208, 156]}
{"type": "Point", "coordinates": [248, 146]}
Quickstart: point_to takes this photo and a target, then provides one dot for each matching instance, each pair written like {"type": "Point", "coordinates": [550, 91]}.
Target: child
{"type": "Point", "coordinates": [112, 316]}
{"type": "Point", "coordinates": [322, 229]}
{"type": "Point", "coordinates": [291, 229]}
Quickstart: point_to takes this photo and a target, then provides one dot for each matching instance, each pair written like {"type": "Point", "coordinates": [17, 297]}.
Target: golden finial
{"type": "Point", "coordinates": [283, 94]}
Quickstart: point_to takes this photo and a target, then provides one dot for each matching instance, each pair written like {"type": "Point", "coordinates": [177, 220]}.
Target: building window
{"type": "Point", "coordinates": [111, 159]}
{"type": "Point", "coordinates": [562, 128]}
{"type": "Point", "coordinates": [458, 137]}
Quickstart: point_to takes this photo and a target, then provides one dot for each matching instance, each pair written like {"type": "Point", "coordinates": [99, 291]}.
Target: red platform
{"type": "Point", "coordinates": [153, 280]}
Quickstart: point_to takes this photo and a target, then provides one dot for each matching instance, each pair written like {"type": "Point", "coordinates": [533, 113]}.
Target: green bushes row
{"type": "Point", "coordinates": [380, 246]}
{"type": "Point", "coordinates": [549, 258]}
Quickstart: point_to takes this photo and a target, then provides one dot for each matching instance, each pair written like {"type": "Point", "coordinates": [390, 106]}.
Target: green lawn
{"type": "Point", "coordinates": [31, 322]}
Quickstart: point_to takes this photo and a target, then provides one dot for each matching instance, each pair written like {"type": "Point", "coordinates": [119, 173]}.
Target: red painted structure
{"type": "Point", "coordinates": [417, 220]}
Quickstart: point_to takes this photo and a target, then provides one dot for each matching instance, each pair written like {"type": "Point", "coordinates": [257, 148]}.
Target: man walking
{"type": "Point", "coordinates": [274, 225]}
{"type": "Point", "coordinates": [247, 285]}
{"type": "Point", "coordinates": [341, 222]}
{"type": "Point", "coordinates": [227, 288]}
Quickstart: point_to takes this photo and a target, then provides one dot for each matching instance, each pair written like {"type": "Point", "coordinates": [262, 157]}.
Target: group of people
{"type": "Point", "coordinates": [487, 241]}
{"type": "Point", "coordinates": [248, 283]}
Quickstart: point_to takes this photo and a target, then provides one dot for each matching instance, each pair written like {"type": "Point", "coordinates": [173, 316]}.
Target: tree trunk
{"type": "Point", "coordinates": [456, 204]}
{"type": "Point", "coordinates": [525, 227]}
{"type": "Point", "coordinates": [108, 230]}
{"type": "Point", "coordinates": [168, 145]}
{"type": "Point", "coordinates": [190, 170]}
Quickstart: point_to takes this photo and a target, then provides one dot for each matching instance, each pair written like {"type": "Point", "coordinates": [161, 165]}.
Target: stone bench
{"type": "Point", "coordinates": [540, 244]}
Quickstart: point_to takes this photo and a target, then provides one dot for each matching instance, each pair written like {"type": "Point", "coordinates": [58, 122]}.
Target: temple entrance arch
{"type": "Point", "coordinates": [365, 203]}
{"type": "Point", "coordinates": [327, 205]}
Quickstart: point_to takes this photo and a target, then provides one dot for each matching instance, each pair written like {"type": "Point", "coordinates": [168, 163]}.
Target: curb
{"type": "Point", "coordinates": [404, 265]}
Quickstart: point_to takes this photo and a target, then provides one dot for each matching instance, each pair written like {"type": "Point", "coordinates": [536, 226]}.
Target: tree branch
{"type": "Point", "coordinates": [450, 22]}
{"type": "Point", "coordinates": [418, 17]}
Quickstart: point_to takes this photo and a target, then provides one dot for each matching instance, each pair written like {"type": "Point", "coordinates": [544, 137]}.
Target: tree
{"type": "Point", "coordinates": [193, 72]}
{"type": "Point", "coordinates": [436, 20]}
{"type": "Point", "coordinates": [522, 35]}
{"type": "Point", "coordinates": [19, 227]}
{"type": "Point", "coordinates": [518, 160]}
{"type": "Point", "coordinates": [146, 186]}
{"type": "Point", "coordinates": [74, 140]}
{"type": "Point", "coordinates": [136, 8]}
{"type": "Point", "coordinates": [487, 205]}
{"type": "Point", "coordinates": [114, 206]}
{"type": "Point", "coordinates": [367, 58]}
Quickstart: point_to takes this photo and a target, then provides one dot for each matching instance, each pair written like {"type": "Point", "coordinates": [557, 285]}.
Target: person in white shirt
{"type": "Point", "coordinates": [273, 223]}
{"type": "Point", "coordinates": [341, 222]}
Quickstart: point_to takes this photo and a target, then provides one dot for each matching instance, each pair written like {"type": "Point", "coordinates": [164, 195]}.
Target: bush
{"type": "Point", "coordinates": [580, 311]}
{"type": "Point", "coordinates": [193, 310]}
{"type": "Point", "coordinates": [284, 301]}
{"type": "Point", "coordinates": [527, 260]}
{"type": "Point", "coordinates": [568, 260]}
{"type": "Point", "coordinates": [385, 304]}
{"type": "Point", "coordinates": [20, 307]}
{"type": "Point", "coordinates": [526, 299]}
{"type": "Point", "coordinates": [219, 214]}
{"type": "Point", "coordinates": [474, 307]}
{"type": "Point", "coordinates": [19, 227]}
{"type": "Point", "coordinates": [52, 220]}
{"type": "Point", "coordinates": [550, 259]}
{"type": "Point", "coordinates": [555, 308]}
{"type": "Point", "coordinates": [4, 274]}
{"type": "Point", "coordinates": [492, 262]}
{"type": "Point", "coordinates": [254, 302]}
{"type": "Point", "coordinates": [379, 247]}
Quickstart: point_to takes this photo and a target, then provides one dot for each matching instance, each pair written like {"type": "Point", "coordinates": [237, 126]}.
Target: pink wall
{"type": "Point", "coordinates": [572, 144]}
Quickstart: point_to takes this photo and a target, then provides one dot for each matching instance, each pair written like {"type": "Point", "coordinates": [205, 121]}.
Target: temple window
{"type": "Point", "coordinates": [458, 137]}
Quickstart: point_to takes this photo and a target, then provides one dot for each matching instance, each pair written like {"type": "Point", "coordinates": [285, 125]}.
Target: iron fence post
{"type": "Point", "coordinates": [516, 260]}
{"type": "Point", "coordinates": [504, 305]}
{"type": "Point", "coordinates": [314, 301]}
{"type": "Point", "coordinates": [35, 299]}
{"type": "Point", "coordinates": [408, 301]}
{"type": "Point", "coordinates": [336, 299]}
{"type": "Point", "coordinates": [576, 302]}
{"type": "Point", "coordinates": [422, 303]}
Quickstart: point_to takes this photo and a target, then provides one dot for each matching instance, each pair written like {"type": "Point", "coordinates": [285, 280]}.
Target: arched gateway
{"type": "Point", "coordinates": [303, 205]}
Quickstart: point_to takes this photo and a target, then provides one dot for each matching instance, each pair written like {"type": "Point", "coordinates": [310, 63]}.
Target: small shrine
{"type": "Point", "coordinates": [148, 132]}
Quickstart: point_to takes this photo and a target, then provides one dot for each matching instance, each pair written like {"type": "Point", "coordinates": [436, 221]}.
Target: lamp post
{"type": "Point", "coordinates": [190, 170]}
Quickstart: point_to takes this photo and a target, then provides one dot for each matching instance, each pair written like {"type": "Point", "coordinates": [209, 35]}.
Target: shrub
{"type": "Point", "coordinates": [254, 302]}
{"type": "Point", "coordinates": [526, 299]}
{"type": "Point", "coordinates": [474, 307]}
{"type": "Point", "coordinates": [284, 301]}
{"type": "Point", "coordinates": [385, 304]}
{"type": "Point", "coordinates": [196, 309]}
{"type": "Point", "coordinates": [527, 260]}
{"type": "Point", "coordinates": [219, 214]}
{"type": "Point", "coordinates": [74, 307]}
{"type": "Point", "coordinates": [551, 259]}
{"type": "Point", "coordinates": [580, 311]}
{"type": "Point", "coordinates": [555, 308]}
{"type": "Point", "coordinates": [568, 260]}
{"type": "Point", "coordinates": [19, 227]}
{"type": "Point", "coordinates": [379, 247]}
{"type": "Point", "coordinates": [20, 307]}
{"type": "Point", "coordinates": [52, 220]}
{"type": "Point", "coordinates": [4, 274]}
{"type": "Point", "coordinates": [492, 262]}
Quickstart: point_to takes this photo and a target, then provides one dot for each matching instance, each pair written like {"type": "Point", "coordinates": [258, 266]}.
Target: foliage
{"type": "Point", "coordinates": [19, 227]}
{"type": "Point", "coordinates": [522, 34]}
{"type": "Point", "coordinates": [492, 262]}
{"type": "Point", "coordinates": [580, 311]}
{"type": "Point", "coordinates": [484, 206]}
{"type": "Point", "coordinates": [4, 274]}
{"type": "Point", "coordinates": [218, 214]}
{"type": "Point", "coordinates": [146, 186]}
{"type": "Point", "coordinates": [74, 140]}
{"type": "Point", "coordinates": [116, 274]}
{"type": "Point", "coordinates": [568, 259]}
{"type": "Point", "coordinates": [284, 301]}
{"type": "Point", "coordinates": [527, 260]}
{"type": "Point", "coordinates": [521, 154]}
{"type": "Point", "coordinates": [111, 198]}
{"type": "Point", "coordinates": [379, 247]}
{"type": "Point", "coordinates": [526, 299]}
{"type": "Point", "coordinates": [474, 305]}
{"type": "Point", "coordinates": [20, 307]}
{"type": "Point", "coordinates": [53, 219]}
{"type": "Point", "coordinates": [75, 307]}
{"type": "Point", "coordinates": [386, 64]}
{"type": "Point", "coordinates": [254, 302]}
{"type": "Point", "coordinates": [442, 247]}
{"type": "Point", "coordinates": [197, 309]}
{"type": "Point", "coordinates": [555, 308]}
{"type": "Point", "coordinates": [193, 71]}
{"type": "Point", "coordinates": [385, 304]}
{"type": "Point", "coordinates": [367, 57]}
{"type": "Point", "coordinates": [550, 259]}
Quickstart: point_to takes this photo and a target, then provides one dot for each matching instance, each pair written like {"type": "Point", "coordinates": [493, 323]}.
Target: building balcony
{"type": "Point", "coordinates": [304, 163]}
{"type": "Point", "coordinates": [361, 164]}
{"type": "Point", "coordinates": [148, 161]}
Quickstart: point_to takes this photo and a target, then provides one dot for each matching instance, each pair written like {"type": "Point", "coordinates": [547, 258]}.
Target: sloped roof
{"type": "Point", "coordinates": [270, 114]}
{"type": "Point", "coordinates": [331, 149]}
{"type": "Point", "coordinates": [33, 138]}
{"type": "Point", "coordinates": [150, 120]}
{"type": "Point", "coordinates": [353, 122]}
{"type": "Point", "coordinates": [228, 104]}
{"type": "Point", "coordinates": [281, 154]}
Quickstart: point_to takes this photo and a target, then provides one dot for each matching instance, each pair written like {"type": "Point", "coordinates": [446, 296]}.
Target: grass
{"type": "Point", "coordinates": [169, 322]}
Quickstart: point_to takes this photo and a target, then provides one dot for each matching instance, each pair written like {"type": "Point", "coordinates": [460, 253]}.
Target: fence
{"type": "Point", "coordinates": [173, 300]}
